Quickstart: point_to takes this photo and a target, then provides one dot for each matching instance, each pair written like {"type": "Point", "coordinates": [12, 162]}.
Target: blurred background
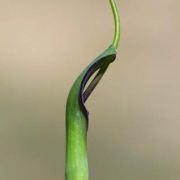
{"type": "Point", "coordinates": [134, 131]}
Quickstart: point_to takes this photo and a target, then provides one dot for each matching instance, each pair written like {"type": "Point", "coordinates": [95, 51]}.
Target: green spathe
{"type": "Point", "coordinates": [76, 114]}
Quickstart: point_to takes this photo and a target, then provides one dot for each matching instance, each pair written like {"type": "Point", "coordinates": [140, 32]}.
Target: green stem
{"type": "Point", "coordinates": [117, 23]}
{"type": "Point", "coordinates": [76, 137]}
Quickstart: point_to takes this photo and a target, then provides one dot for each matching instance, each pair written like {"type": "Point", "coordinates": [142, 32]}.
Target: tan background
{"type": "Point", "coordinates": [134, 112]}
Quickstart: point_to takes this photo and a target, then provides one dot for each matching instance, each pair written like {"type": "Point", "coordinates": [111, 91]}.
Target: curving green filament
{"type": "Point", "coordinates": [76, 115]}
{"type": "Point", "coordinates": [117, 23]}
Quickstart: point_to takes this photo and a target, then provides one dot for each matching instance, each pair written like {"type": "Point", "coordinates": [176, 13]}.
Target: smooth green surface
{"type": "Point", "coordinates": [76, 122]}
{"type": "Point", "coordinates": [117, 23]}
{"type": "Point", "coordinates": [76, 128]}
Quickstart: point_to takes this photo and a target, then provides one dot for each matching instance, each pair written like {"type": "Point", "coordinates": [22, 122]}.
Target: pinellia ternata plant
{"type": "Point", "coordinates": [76, 112]}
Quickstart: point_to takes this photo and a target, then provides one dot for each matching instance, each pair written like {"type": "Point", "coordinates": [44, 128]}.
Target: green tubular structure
{"type": "Point", "coordinates": [76, 112]}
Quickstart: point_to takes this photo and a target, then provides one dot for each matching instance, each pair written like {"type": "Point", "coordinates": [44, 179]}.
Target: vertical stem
{"type": "Point", "coordinates": [117, 23]}
{"type": "Point", "coordinates": [76, 159]}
